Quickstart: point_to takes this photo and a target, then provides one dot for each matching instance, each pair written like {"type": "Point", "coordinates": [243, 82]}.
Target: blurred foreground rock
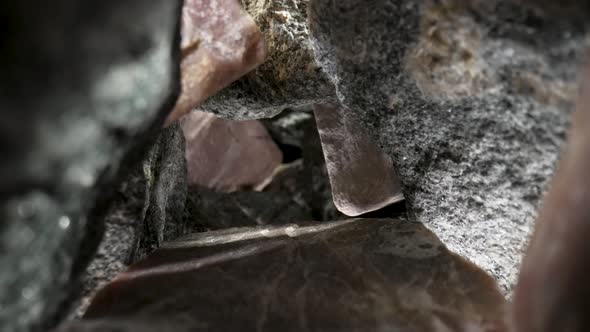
{"type": "Point", "coordinates": [82, 87]}
{"type": "Point", "coordinates": [352, 275]}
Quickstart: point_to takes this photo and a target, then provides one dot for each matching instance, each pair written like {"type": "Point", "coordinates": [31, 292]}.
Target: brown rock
{"type": "Point", "coordinates": [553, 293]}
{"type": "Point", "coordinates": [227, 155]}
{"type": "Point", "coordinates": [362, 177]}
{"type": "Point", "coordinates": [351, 275]}
{"type": "Point", "coordinates": [220, 43]}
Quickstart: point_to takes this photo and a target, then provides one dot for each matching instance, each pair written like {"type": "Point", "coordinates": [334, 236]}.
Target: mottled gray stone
{"type": "Point", "coordinates": [469, 98]}
{"type": "Point", "coordinates": [362, 177]}
{"type": "Point", "coordinates": [352, 275]}
{"type": "Point", "coordinates": [82, 86]}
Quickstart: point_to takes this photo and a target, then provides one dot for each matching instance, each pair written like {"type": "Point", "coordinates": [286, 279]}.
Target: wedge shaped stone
{"type": "Point", "coordinates": [362, 177]}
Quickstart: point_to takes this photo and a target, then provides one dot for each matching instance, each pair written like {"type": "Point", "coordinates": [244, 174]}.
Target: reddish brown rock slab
{"type": "Point", "coordinates": [351, 275]}
{"type": "Point", "coordinates": [362, 177]}
{"type": "Point", "coordinates": [220, 43]}
{"type": "Point", "coordinates": [226, 155]}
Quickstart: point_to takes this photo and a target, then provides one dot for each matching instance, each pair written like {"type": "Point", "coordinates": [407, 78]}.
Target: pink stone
{"type": "Point", "coordinates": [362, 177]}
{"type": "Point", "coordinates": [227, 155]}
{"type": "Point", "coordinates": [220, 43]}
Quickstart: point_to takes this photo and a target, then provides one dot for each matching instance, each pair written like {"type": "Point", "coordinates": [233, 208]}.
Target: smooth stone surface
{"type": "Point", "coordinates": [352, 275]}
{"type": "Point", "coordinates": [471, 100]}
{"type": "Point", "coordinates": [362, 177]}
{"type": "Point", "coordinates": [227, 155]}
{"type": "Point", "coordinates": [289, 78]}
{"type": "Point", "coordinates": [82, 88]}
{"type": "Point", "coordinates": [220, 43]}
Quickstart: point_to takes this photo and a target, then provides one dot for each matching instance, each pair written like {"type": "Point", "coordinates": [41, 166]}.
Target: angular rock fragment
{"type": "Point", "coordinates": [289, 78]}
{"type": "Point", "coordinates": [352, 275]}
{"type": "Point", "coordinates": [82, 87]}
{"type": "Point", "coordinates": [362, 177]}
{"type": "Point", "coordinates": [220, 43]}
{"type": "Point", "coordinates": [470, 99]}
{"type": "Point", "coordinates": [227, 155]}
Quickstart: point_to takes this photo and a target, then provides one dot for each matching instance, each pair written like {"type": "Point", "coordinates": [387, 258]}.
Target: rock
{"type": "Point", "coordinates": [116, 248]}
{"type": "Point", "coordinates": [220, 43]}
{"type": "Point", "coordinates": [164, 216]}
{"type": "Point", "coordinates": [362, 178]}
{"type": "Point", "coordinates": [290, 78]}
{"type": "Point", "coordinates": [352, 275]}
{"type": "Point", "coordinates": [227, 155]}
{"type": "Point", "coordinates": [553, 293]}
{"type": "Point", "coordinates": [470, 99]}
{"type": "Point", "coordinates": [215, 210]}
{"type": "Point", "coordinates": [83, 86]}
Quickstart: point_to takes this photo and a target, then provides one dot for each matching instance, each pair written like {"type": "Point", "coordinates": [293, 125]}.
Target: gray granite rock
{"type": "Point", "coordinates": [470, 98]}
{"type": "Point", "coordinates": [82, 87]}
{"type": "Point", "coordinates": [352, 275]}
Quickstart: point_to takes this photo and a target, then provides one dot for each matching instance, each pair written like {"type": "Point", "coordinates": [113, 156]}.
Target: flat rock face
{"type": "Point", "coordinates": [353, 275]}
{"type": "Point", "coordinates": [362, 177]}
{"type": "Point", "coordinates": [220, 43]}
{"type": "Point", "coordinates": [82, 87]}
{"type": "Point", "coordinates": [471, 99]}
{"type": "Point", "coordinates": [226, 155]}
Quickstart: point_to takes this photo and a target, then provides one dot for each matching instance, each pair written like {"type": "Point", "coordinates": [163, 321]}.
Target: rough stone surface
{"type": "Point", "coordinates": [352, 275]}
{"type": "Point", "coordinates": [164, 216]}
{"type": "Point", "coordinates": [471, 100]}
{"type": "Point", "coordinates": [220, 43]}
{"type": "Point", "coordinates": [82, 86]}
{"type": "Point", "coordinates": [290, 78]}
{"type": "Point", "coordinates": [226, 155]}
{"type": "Point", "coordinates": [362, 177]}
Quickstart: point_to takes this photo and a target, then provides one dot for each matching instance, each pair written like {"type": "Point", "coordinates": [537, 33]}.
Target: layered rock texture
{"type": "Point", "coordinates": [470, 99]}
{"type": "Point", "coordinates": [352, 275]}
